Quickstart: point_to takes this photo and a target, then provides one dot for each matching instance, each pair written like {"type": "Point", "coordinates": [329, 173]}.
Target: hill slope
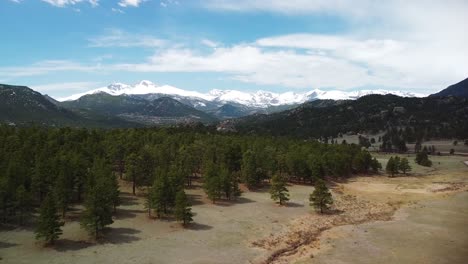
{"type": "Point", "coordinates": [426, 117]}
{"type": "Point", "coordinates": [21, 105]}
{"type": "Point", "coordinates": [459, 89]}
{"type": "Point", "coordinates": [161, 110]}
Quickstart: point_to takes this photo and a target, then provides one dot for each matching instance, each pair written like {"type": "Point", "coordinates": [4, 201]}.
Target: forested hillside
{"type": "Point", "coordinates": [82, 166]}
{"type": "Point", "coordinates": [135, 108]}
{"type": "Point", "coordinates": [20, 105]}
{"type": "Point", "coordinates": [422, 118]}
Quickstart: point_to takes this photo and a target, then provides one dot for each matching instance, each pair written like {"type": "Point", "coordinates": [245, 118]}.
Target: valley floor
{"type": "Point", "coordinates": [419, 218]}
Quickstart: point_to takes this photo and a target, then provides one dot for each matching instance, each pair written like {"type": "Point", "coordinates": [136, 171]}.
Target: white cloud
{"type": "Point", "coordinates": [16, 1]}
{"type": "Point", "coordinates": [354, 8]}
{"type": "Point", "coordinates": [117, 10]}
{"type": "Point", "coordinates": [251, 64]}
{"type": "Point", "coordinates": [119, 38]}
{"type": "Point", "coordinates": [64, 87]}
{"type": "Point", "coordinates": [167, 3]}
{"type": "Point", "coordinates": [47, 67]}
{"type": "Point", "coordinates": [210, 43]}
{"type": "Point", "coordinates": [133, 3]}
{"type": "Point", "coordinates": [63, 3]}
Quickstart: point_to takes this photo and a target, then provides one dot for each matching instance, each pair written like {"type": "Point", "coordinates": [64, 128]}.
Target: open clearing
{"type": "Point", "coordinates": [430, 227]}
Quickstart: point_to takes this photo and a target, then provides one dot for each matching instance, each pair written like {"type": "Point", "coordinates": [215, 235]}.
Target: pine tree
{"type": "Point", "coordinates": [115, 192]}
{"type": "Point", "coordinates": [99, 202]}
{"type": "Point", "coordinates": [422, 159]}
{"type": "Point", "coordinates": [183, 210]}
{"type": "Point", "coordinates": [49, 224]}
{"type": "Point", "coordinates": [278, 190]}
{"type": "Point", "coordinates": [375, 165]}
{"type": "Point", "coordinates": [212, 182]}
{"type": "Point", "coordinates": [392, 166]}
{"type": "Point", "coordinates": [404, 166]}
{"type": "Point", "coordinates": [23, 202]}
{"type": "Point", "coordinates": [321, 197]}
{"type": "Point", "coordinates": [249, 169]}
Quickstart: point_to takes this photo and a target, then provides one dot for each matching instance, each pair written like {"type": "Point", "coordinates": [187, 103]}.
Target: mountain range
{"type": "Point", "coordinates": [143, 104]}
{"type": "Point", "coordinates": [217, 98]}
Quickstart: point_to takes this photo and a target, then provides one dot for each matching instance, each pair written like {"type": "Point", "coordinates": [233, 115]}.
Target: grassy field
{"type": "Point", "coordinates": [256, 230]}
{"type": "Point", "coordinates": [444, 146]}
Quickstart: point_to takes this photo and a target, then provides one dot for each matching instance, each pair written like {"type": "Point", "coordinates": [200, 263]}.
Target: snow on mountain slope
{"type": "Point", "coordinates": [260, 99]}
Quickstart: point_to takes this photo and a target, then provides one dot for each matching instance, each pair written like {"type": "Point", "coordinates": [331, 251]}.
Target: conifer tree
{"type": "Point", "coordinates": [183, 210]}
{"type": "Point", "coordinates": [23, 202]}
{"type": "Point", "coordinates": [99, 202]}
{"type": "Point", "coordinates": [49, 224]}
{"type": "Point", "coordinates": [321, 197]}
{"type": "Point", "coordinates": [375, 165]}
{"type": "Point", "coordinates": [278, 190]}
{"type": "Point", "coordinates": [212, 182]}
{"type": "Point", "coordinates": [404, 166]}
{"type": "Point", "coordinates": [249, 169]}
{"type": "Point", "coordinates": [392, 166]}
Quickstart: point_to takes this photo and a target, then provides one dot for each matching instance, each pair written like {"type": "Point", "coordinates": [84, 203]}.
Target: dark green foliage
{"type": "Point", "coordinates": [48, 225]}
{"type": "Point", "coordinates": [99, 202]}
{"type": "Point", "coordinates": [23, 203]}
{"type": "Point", "coordinates": [423, 159]}
{"type": "Point", "coordinates": [404, 166]}
{"type": "Point", "coordinates": [278, 190]}
{"type": "Point", "coordinates": [183, 212]}
{"type": "Point", "coordinates": [426, 117]}
{"type": "Point", "coordinates": [249, 169]}
{"type": "Point", "coordinates": [76, 165]}
{"type": "Point", "coordinates": [212, 183]}
{"type": "Point", "coordinates": [321, 198]}
{"type": "Point", "coordinates": [393, 165]}
{"type": "Point", "coordinates": [375, 165]}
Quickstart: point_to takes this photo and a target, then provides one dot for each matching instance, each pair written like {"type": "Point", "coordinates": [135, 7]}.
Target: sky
{"type": "Point", "coordinates": [63, 47]}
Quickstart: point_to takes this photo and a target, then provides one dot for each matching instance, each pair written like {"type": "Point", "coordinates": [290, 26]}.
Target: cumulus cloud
{"type": "Point", "coordinates": [64, 3]}
{"type": "Point", "coordinates": [131, 3]}
{"type": "Point", "coordinates": [252, 64]}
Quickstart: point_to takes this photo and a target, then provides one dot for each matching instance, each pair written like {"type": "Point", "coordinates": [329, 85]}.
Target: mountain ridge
{"type": "Point", "coordinates": [258, 99]}
{"type": "Point", "coordinates": [459, 89]}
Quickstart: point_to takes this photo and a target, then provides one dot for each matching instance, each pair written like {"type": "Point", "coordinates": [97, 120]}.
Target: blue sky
{"type": "Point", "coordinates": [62, 47]}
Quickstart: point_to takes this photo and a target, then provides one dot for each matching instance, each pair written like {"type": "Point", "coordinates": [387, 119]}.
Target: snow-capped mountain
{"type": "Point", "coordinates": [259, 99]}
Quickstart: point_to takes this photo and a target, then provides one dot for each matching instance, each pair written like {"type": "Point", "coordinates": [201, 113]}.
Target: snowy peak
{"type": "Point", "coordinates": [258, 99]}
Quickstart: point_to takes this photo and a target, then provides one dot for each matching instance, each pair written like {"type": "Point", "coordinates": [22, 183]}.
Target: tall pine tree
{"type": "Point", "coordinates": [321, 197]}
{"type": "Point", "coordinates": [183, 210]}
{"type": "Point", "coordinates": [49, 224]}
{"type": "Point", "coordinates": [278, 190]}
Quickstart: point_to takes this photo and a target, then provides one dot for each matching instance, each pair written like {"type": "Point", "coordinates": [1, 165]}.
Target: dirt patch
{"type": "Point", "coordinates": [302, 234]}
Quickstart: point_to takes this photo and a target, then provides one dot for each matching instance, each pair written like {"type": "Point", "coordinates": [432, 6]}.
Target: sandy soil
{"type": "Point", "coordinates": [255, 230]}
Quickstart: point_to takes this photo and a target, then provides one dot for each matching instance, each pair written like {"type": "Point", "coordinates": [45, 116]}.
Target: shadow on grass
{"type": "Point", "coordinates": [227, 203]}
{"type": "Point", "coordinates": [294, 205]}
{"type": "Point", "coordinates": [195, 199]}
{"type": "Point", "coordinates": [119, 235]}
{"type": "Point", "coordinates": [128, 199]}
{"type": "Point", "coordinates": [7, 244]}
{"type": "Point", "coordinates": [198, 227]}
{"type": "Point", "coordinates": [127, 213]}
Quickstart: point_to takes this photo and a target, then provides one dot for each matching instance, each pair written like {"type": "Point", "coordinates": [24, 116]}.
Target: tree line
{"type": "Point", "coordinates": [47, 170]}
